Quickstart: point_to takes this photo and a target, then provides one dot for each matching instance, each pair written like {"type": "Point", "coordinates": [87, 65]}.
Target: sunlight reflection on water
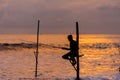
{"type": "Point", "coordinates": [100, 60]}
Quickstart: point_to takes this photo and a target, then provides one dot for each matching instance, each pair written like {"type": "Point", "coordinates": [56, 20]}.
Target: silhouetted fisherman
{"type": "Point", "coordinates": [73, 50]}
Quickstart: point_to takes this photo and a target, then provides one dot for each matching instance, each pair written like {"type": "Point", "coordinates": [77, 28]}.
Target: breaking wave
{"type": "Point", "coordinates": [15, 46]}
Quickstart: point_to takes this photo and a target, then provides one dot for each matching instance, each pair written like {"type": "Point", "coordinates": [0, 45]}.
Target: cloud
{"type": "Point", "coordinates": [58, 16]}
{"type": "Point", "coordinates": [3, 5]}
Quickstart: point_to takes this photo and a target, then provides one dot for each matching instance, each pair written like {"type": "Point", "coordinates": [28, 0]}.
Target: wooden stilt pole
{"type": "Point", "coordinates": [37, 47]}
{"type": "Point", "coordinates": [77, 39]}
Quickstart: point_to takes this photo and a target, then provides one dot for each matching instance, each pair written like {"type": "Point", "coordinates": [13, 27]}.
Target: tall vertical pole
{"type": "Point", "coordinates": [37, 47]}
{"type": "Point", "coordinates": [77, 39]}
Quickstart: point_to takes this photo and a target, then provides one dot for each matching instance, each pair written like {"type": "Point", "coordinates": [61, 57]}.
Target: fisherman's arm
{"type": "Point", "coordinates": [65, 48]}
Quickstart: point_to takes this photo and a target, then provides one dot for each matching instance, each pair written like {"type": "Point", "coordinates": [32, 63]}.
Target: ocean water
{"type": "Point", "coordinates": [100, 60]}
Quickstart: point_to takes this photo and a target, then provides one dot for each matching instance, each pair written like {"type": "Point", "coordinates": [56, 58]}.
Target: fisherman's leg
{"type": "Point", "coordinates": [73, 60]}
{"type": "Point", "coordinates": [66, 56]}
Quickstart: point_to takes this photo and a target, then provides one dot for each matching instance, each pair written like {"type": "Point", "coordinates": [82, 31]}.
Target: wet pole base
{"type": "Point", "coordinates": [79, 79]}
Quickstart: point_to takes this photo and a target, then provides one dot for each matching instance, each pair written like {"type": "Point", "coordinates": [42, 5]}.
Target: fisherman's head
{"type": "Point", "coordinates": [70, 37]}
